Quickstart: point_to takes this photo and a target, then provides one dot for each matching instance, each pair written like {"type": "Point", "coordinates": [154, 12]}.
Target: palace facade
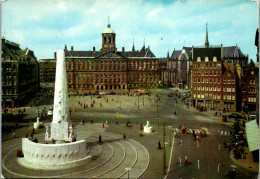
{"type": "Point", "coordinates": [108, 69]}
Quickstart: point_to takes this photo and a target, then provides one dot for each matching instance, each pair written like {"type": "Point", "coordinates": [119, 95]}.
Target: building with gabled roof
{"type": "Point", "coordinates": [20, 74]}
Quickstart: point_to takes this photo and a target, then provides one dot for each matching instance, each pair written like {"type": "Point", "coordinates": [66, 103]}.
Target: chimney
{"type": "Point", "coordinates": [55, 55]}
{"type": "Point", "coordinates": [72, 48]}
{"type": "Point", "coordinates": [123, 49]}
{"type": "Point", "coordinates": [94, 49]}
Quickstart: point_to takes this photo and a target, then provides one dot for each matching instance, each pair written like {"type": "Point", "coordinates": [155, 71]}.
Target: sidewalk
{"type": "Point", "coordinates": [247, 163]}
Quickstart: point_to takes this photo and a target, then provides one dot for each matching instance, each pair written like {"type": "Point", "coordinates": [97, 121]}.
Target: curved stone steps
{"type": "Point", "coordinates": [129, 161]}
{"type": "Point", "coordinates": [142, 162]}
{"type": "Point", "coordinates": [111, 157]}
{"type": "Point", "coordinates": [117, 159]}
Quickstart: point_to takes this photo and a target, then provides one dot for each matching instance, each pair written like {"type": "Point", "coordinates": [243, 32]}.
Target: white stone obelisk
{"type": "Point", "coordinates": [60, 126]}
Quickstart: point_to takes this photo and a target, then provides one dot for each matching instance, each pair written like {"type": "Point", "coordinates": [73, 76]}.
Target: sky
{"type": "Point", "coordinates": [164, 25]}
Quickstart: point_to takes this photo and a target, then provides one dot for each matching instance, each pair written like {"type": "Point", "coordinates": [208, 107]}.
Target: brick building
{"type": "Point", "coordinates": [110, 69]}
{"type": "Point", "coordinates": [47, 70]}
{"type": "Point", "coordinates": [214, 84]}
{"type": "Point", "coordinates": [20, 74]}
{"type": "Point", "coordinates": [249, 87]}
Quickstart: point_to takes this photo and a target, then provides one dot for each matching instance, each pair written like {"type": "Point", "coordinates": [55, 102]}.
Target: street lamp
{"type": "Point", "coordinates": [170, 127]}
{"type": "Point", "coordinates": [128, 170]}
{"type": "Point", "coordinates": [128, 111]}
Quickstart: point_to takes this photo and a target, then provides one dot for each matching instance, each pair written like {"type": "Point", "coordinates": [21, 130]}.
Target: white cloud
{"type": "Point", "coordinates": [80, 23]}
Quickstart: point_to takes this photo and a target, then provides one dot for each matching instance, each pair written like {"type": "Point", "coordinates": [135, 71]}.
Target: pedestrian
{"type": "Point", "coordinates": [187, 131]}
{"type": "Point", "coordinates": [200, 134]}
{"type": "Point", "coordinates": [70, 111]}
{"type": "Point", "coordinates": [124, 137]}
{"type": "Point", "coordinates": [225, 144]}
{"type": "Point", "coordinates": [103, 125]}
{"type": "Point", "coordinates": [159, 145]}
{"type": "Point", "coordinates": [197, 138]}
{"type": "Point", "coordinates": [26, 135]}
{"type": "Point", "coordinates": [23, 109]}
{"type": "Point", "coordinates": [193, 132]}
{"type": "Point", "coordinates": [13, 135]}
{"type": "Point", "coordinates": [100, 138]}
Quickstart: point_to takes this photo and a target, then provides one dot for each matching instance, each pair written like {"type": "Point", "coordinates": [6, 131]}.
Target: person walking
{"type": "Point", "coordinates": [159, 145]}
{"type": "Point", "coordinates": [187, 131]}
{"type": "Point", "coordinates": [100, 138]}
{"type": "Point", "coordinates": [200, 134]}
{"type": "Point", "coordinates": [124, 137]}
{"type": "Point", "coordinates": [13, 135]}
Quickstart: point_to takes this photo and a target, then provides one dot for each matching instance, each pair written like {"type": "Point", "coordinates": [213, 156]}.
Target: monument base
{"type": "Point", "coordinates": [53, 156]}
{"type": "Point", "coordinates": [148, 129]}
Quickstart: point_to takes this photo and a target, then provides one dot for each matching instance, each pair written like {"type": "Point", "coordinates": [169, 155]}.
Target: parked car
{"type": "Point", "coordinates": [103, 93]}
{"type": "Point", "coordinates": [95, 93]}
{"type": "Point", "coordinates": [50, 113]}
{"type": "Point", "coordinates": [112, 93]}
{"type": "Point", "coordinates": [234, 115]}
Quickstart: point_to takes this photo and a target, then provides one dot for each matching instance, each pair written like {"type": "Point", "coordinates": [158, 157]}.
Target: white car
{"type": "Point", "coordinates": [103, 93]}
{"type": "Point", "coordinates": [50, 113]}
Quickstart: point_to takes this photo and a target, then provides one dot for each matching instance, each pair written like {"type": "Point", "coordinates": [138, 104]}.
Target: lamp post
{"type": "Point", "coordinates": [128, 171]}
{"type": "Point", "coordinates": [128, 111]}
{"type": "Point", "coordinates": [170, 127]}
{"type": "Point", "coordinates": [164, 150]}
{"type": "Point", "coordinates": [143, 100]}
{"type": "Point", "coordinates": [138, 99]}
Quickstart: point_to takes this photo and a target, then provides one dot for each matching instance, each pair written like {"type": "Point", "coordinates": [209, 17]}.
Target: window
{"type": "Point", "coordinates": [210, 95]}
{"type": "Point", "coordinates": [206, 66]}
{"type": "Point", "coordinates": [210, 80]}
{"type": "Point", "coordinates": [218, 88]}
{"type": "Point", "coordinates": [233, 96]}
{"type": "Point", "coordinates": [224, 96]}
{"type": "Point", "coordinates": [202, 80]}
{"type": "Point", "coordinates": [214, 59]}
{"type": "Point", "coordinates": [194, 87]}
{"type": "Point", "coordinates": [206, 59]}
{"type": "Point", "coordinates": [194, 80]}
{"type": "Point", "coordinates": [215, 65]}
{"type": "Point", "coordinates": [194, 95]}
{"type": "Point", "coordinates": [252, 72]}
{"type": "Point", "coordinates": [198, 88]}
{"type": "Point", "coordinates": [251, 90]}
{"type": "Point", "coordinates": [214, 88]}
{"type": "Point", "coordinates": [219, 65]}
{"type": "Point", "coordinates": [202, 88]}
{"type": "Point", "coordinates": [202, 73]}
{"type": "Point", "coordinates": [210, 65]}
{"type": "Point", "coordinates": [198, 59]}
{"type": "Point", "coordinates": [251, 81]}
{"type": "Point", "coordinates": [214, 80]}
{"type": "Point", "coordinates": [218, 96]}
{"type": "Point", "coordinates": [228, 81]}
{"type": "Point", "coordinates": [198, 73]}
{"type": "Point", "coordinates": [198, 65]}
{"type": "Point", "coordinates": [229, 74]}
{"type": "Point", "coordinates": [210, 88]}
{"type": "Point", "coordinates": [194, 73]}
{"type": "Point", "coordinates": [218, 73]}
{"type": "Point", "coordinates": [206, 88]}
{"type": "Point", "coordinates": [224, 81]}
{"type": "Point", "coordinates": [210, 73]}
{"type": "Point", "coordinates": [215, 73]}
{"type": "Point", "coordinates": [228, 89]}
{"type": "Point", "coordinates": [206, 73]}
{"type": "Point", "coordinates": [224, 88]}
{"type": "Point", "coordinates": [233, 89]}
{"type": "Point", "coordinates": [206, 80]}
{"type": "Point", "coordinates": [194, 66]}
{"type": "Point", "coordinates": [202, 95]}
{"type": "Point", "coordinates": [219, 81]}
{"type": "Point", "coordinates": [214, 96]}
{"type": "Point", "coordinates": [206, 95]}
{"type": "Point", "coordinates": [198, 95]}
{"type": "Point", "coordinates": [198, 80]}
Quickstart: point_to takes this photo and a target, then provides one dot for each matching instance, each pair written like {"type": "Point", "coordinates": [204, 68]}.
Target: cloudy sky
{"type": "Point", "coordinates": [45, 26]}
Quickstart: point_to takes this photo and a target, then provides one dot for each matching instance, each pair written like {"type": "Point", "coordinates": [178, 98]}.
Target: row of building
{"type": "Point", "coordinates": [218, 77]}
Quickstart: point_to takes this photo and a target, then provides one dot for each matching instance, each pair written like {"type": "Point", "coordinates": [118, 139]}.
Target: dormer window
{"type": "Point", "coordinates": [206, 59]}
{"type": "Point", "coordinates": [198, 59]}
{"type": "Point", "coordinates": [214, 59]}
{"type": "Point", "coordinates": [252, 72]}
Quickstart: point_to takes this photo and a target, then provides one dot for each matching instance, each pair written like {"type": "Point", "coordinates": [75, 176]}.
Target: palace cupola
{"type": "Point", "coordinates": [108, 39]}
